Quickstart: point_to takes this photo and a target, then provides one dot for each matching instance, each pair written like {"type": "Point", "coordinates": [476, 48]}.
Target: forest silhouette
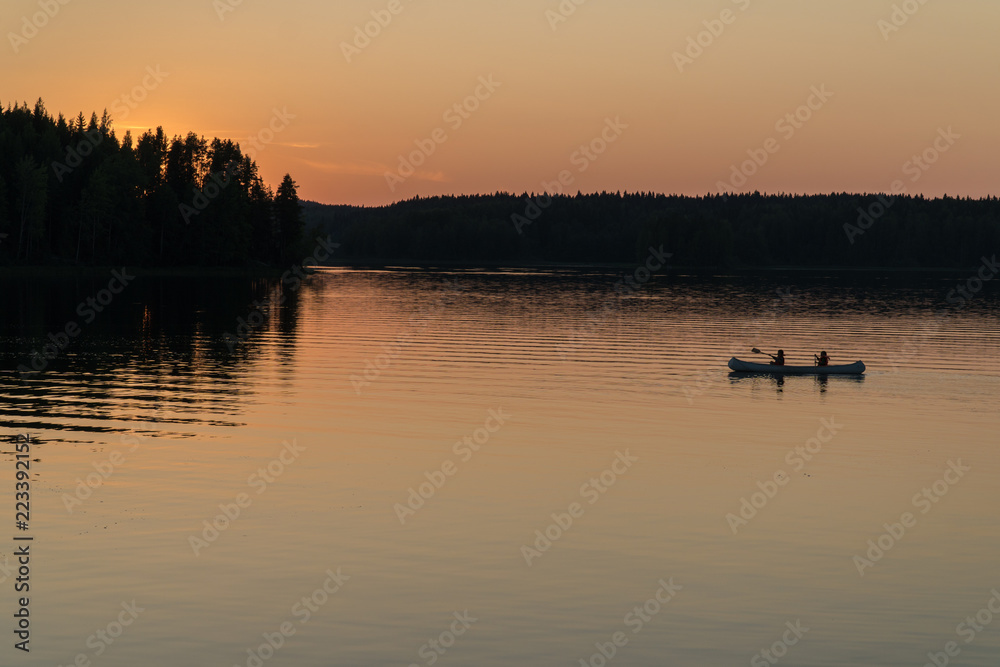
{"type": "Point", "coordinates": [714, 231]}
{"type": "Point", "coordinates": [72, 192]}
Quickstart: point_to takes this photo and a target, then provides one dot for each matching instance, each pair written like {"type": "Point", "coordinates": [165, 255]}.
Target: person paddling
{"type": "Point", "coordinates": [823, 359]}
{"type": "Point", "coordinates": [779, 359]}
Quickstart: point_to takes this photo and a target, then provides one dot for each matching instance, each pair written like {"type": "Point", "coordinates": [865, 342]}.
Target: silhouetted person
{"type": "Point", "coordinates": [779, 360]}
{"type": "Point", "coordinates": [823, 359]}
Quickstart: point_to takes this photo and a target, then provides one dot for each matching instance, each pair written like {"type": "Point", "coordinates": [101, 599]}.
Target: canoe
{"type": "Point", "coordinates": [739, 366]}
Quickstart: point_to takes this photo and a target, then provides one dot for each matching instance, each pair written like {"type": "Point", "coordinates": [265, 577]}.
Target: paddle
{"type": "Point", "coordinates": [756, 351]}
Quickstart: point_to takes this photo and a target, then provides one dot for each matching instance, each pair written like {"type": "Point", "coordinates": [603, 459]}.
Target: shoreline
{"type": "Point", "coordinates": [617, 266]}
{"type": "Point", "coordinates": [64, 271]}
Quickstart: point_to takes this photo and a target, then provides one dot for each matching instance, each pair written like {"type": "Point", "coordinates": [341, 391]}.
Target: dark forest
{"type": "Point", "coordinates": [73, 193]}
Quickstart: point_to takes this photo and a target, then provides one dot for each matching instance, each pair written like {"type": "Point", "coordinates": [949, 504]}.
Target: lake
{"type": "Point", "coordinates": [496, 467]}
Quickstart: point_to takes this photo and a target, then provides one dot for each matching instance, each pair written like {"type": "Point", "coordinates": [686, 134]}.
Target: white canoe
{"type": "Point", "coordinates": [739, 366]}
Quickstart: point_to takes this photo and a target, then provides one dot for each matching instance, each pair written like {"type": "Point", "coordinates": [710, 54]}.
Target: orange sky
{"type": "Point", "coordinates": [557, 83]}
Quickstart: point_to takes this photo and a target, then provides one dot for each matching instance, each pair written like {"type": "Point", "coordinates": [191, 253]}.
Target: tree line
{"type": "Point", "coordinates": [721, 231]}
{"type": "Point", "coordinates": [72, 192]}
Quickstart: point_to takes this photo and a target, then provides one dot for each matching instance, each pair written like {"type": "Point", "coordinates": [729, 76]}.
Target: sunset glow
{"type": "Point", "coordinates": [700, 86]}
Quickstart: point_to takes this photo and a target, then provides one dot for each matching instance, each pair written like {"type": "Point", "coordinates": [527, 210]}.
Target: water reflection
{"type": "Point", "coordinates": [585, 373]}
{"type": "Point", "coordinates": [178, 345]}
{"type": "Point", "coordinates": [777, 380]}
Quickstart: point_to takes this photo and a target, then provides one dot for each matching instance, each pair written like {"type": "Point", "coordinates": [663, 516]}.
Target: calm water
{"type": "Point", "coordinates": [500, 396]}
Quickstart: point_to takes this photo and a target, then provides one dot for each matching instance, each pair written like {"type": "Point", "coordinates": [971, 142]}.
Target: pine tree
{"type": "Point", "coordinates": [288, 212]}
